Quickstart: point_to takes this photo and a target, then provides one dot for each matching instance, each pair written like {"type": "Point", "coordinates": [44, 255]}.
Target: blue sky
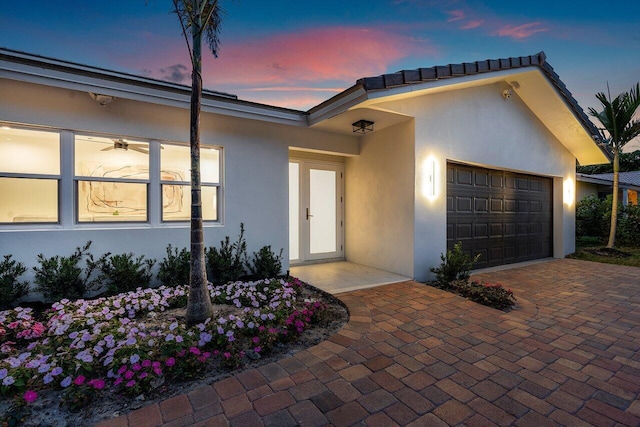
{"type": "Point", "coordinates": [298, 53]}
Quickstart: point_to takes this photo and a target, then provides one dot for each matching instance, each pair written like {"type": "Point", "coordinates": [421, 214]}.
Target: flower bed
{"type": "Point", "coordinates": [492, 295]}
{"type": "Point", "coordinates": [133, 343]}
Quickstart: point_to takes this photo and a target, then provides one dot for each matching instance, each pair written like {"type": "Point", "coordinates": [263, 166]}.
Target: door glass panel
{"type": "Point", "coordinates": [294, 211]}
{"type": "Point", "coordinates": [322, 223]}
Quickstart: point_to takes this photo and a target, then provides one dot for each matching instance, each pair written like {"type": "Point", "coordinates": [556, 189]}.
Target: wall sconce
{"type": "Point", "coordinates": [362, 126]}
{"type": "Point", "coordinates": [568, 192]}
{"type": "Point", "coordinates": [507, 93]}
{"type": "Point", "coordinates": [429, 177]}
{"type": "Point", "coordinates": [101, 99]}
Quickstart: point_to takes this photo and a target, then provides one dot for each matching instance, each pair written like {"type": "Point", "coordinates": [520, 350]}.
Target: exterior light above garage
{"type": "Point", "coordinates": [430, 178]}
{"type": "Point", "coordinates": [569, 192]}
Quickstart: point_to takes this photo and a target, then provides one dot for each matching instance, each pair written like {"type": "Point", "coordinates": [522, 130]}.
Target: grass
{"type": "Point", "coordinates": [588, 250]}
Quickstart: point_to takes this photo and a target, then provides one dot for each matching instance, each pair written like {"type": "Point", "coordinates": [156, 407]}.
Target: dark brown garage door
{"type": "Point", "coordinates": [503, 216]}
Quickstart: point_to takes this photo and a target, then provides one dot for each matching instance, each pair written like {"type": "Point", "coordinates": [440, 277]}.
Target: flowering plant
{"type": "Point", "coordinates": [128, 344]}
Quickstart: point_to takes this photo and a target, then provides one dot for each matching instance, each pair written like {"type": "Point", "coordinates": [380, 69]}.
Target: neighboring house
{"type": "Point", "coordinates": [481, 152]}
{"type": "Point", "coordinates": [601, 185]}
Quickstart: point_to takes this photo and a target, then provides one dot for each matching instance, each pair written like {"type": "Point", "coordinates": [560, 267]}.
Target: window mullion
{"type": "Point", "coordinates": [66, 198]}
{"type": "Point", "coordinates": [154, 192]}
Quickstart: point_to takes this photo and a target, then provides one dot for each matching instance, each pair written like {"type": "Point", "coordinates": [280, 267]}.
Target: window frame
{"type": "Point", "coordinates": [40, 176]}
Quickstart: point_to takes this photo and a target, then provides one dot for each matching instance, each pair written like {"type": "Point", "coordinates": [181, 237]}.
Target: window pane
{"type": "Point", "coordinates": [111, 158]}
{"type": "Point", "coordinates": [28, 200]}
{"type": "Point", "coordinates": [111, 201]}
{"type": "Point", "coordinates": [176, 203]}
{"type": "Point", "coordinates": [29, 151]}
{"type": "Point", "coordinates": [175, 161]}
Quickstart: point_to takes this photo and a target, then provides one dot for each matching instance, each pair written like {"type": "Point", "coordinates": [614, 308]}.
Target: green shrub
{"type": "Point", "coordinates": [265, 264]}
{"type": "Point", "coordinates": [628, 228]}
{"type": "Point", "coordinates": [455, 265]}
{"type": "Point", "coordinates": [593, 217]}
{"type": "Point", "coordinates": [10, 288]}
{"type": "Point", "coordinates": [123, 273]}
{"type": "Point", "coordinates": [61, 277]}
{"type": "Point", "coordinates": [492, 295]}
{"type": "Point", "coordinates": [174, 268]}
{"type": "Point", "coordinates": [227, 264]}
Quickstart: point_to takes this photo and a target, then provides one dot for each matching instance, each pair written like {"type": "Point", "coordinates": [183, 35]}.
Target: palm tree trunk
{"type": "Point", "coordinates": [614, 206]}
{"type": "Point", "coordinates": [199, 306]}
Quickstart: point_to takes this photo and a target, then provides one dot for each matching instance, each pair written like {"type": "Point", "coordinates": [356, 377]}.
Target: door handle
{"type": "Point", "coordinates": [308, 214]}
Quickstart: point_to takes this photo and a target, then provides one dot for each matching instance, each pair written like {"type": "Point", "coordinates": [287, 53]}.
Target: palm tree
{"type": "Point", "coordinates": [618, 128]}
{"type": "Point", "coordinates": [198, 19]}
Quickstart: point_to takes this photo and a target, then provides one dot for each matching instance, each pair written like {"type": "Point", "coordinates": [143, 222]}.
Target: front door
{"type": "Point", "coordinates": [315, 211]}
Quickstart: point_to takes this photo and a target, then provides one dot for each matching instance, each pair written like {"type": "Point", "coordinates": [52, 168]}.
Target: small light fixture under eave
{"type": "Point", "coordinates": [362, 126]}
{"type": "Point", "coordinates": [568, 192]}
{"type": "Point", "coordinates": [429, 178]}
{"type": "Point", "coordinates": [101, 99]}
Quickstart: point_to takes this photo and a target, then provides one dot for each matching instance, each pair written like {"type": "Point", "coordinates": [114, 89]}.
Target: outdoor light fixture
{"type": "Point", "coordinates": [101, 99]}
{"type": "Point", "coordinates": [429, 176]}
{"type": "Point", "coordinates": [507, 93]}
{"type": "Point", "coordinates": [362, 126]}
{"type": "Point", "coordinates": [569, 192]}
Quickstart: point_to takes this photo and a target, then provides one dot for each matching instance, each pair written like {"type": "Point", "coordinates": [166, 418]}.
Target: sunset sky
{"type": "Point", "coordinates": [297, 54]}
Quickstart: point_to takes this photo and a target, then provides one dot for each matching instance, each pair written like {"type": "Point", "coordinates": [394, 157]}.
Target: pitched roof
{"type": "Point", "coordinates": [628, 178]}
{"type": "Point", "coordinates": [420, 75]}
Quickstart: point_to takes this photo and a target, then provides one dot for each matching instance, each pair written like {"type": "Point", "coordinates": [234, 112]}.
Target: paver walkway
{"type": "Point", "coordinates": [415, 355]}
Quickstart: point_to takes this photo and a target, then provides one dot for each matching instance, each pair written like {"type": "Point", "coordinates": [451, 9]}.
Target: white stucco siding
{"type": "Point", "coordinates": [254, 183]}
{"type": "Point", "coordinates": [379, 201]}
{"type": "Point", "coordinates": [480, 127]}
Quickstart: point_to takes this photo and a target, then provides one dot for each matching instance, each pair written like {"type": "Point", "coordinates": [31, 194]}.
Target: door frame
{"type": "Point", "coordinates": [305, 165]}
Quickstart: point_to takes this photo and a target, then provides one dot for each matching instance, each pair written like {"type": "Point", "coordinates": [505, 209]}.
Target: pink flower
{"type": "Point", "coordinates": [256, 340]}
{"type": "Point", "coordinates": [170, 361]}
{"type": "Point", "coordinates": [30, 396]}
{"type": "Point", "coordinates": [117, 381]}
{"type": "Point", "coordinates": [128, 375]}
{"type": "Point", "coordinates": [136, 367]}
{"type": "Point", "coordinates": [79, 380]}
{"type": "Point", "coordinates": [97, 383]}
{"type": "Point", "coordinates": [157, 371]}
{"type": "Point", "coordinates": [143, 375]}
{"type": "Point", "coordinates": [122, 369]}
{"type": "Point", "coordinates": [131, 383]}
{"type": "Point", "coordinates": [194, 350]}
{"type": "Point", "coordinates": [146, 363]}
{"type": "Point", "coordinates": [226, 355]}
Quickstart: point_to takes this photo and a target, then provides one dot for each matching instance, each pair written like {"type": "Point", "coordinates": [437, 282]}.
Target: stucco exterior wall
{"type": "Point", "coordinates": [255, 171]}
{"type": "Point", "coordinates": [585, 189]}
{"type": "Point", "coordinates": [379, 201]}
{"type": "Point", "coordinates": [480, 127]}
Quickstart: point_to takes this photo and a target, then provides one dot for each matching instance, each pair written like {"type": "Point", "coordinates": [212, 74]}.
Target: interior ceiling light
{"type": "Point", "coordinates": [362, 126]}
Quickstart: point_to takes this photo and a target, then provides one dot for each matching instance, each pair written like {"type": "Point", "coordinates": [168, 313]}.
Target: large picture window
{"type": "Point", "coordinates": [175, 179]}
{"type": "Point", "coordinates": [29, 176]}
{"type": "Point", "coordinates": [112, 179]}
{"type": "Point", "coordinates": [101, 179]}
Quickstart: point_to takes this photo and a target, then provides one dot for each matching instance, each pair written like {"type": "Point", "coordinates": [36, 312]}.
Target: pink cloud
{"type": "Point", "coordinates": [521, 31]}
{"type": "Point", "coordinates": [472, 24]}
{"type": "Point", "coordinates": [314, 55]}
{"type": "Point", "coordinates": [288, 67]}
{"type": "Point", "coordinates": [455, 15]}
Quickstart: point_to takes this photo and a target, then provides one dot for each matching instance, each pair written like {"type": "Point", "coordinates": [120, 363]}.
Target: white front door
{"type": "Point", "coordinates": [315, 210]}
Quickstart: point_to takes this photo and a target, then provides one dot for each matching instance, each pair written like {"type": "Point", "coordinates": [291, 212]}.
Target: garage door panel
{"type": "Point", "coordinates": [481, 204]}
{"type": "Point", "coordinates": [503, 216]}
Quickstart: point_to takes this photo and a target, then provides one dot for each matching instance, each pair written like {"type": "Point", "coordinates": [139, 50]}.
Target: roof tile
{"type": "Point", "coordinates": [428, 74]}
{"type": "Point", "coordinates": [443, 71]}
{"type": "Point", "coordinates": [457, 69]}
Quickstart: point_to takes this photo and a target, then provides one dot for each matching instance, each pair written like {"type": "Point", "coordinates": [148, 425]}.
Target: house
{"type": "Point", "coordinates": [387, 174]}
{"type": "Point", "coordinates": [601, 185]}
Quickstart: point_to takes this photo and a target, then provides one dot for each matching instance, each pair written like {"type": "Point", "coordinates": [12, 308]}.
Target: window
{"type": "Point", "coordinates": [103, 180]}
{"type": "Point", "coordinates": [112, 179]}
{"type": "Point", "coordinates": [29, 176]}
{"type": "Point", "coordinates": [175, 180]}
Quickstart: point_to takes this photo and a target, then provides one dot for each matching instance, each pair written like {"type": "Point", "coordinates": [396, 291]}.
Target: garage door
{"type": "Point", "coordinates": [503, 216]}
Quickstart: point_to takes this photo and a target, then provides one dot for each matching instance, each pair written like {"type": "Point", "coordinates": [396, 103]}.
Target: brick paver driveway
{"type": "Point", "coordinates": [411, 354]}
